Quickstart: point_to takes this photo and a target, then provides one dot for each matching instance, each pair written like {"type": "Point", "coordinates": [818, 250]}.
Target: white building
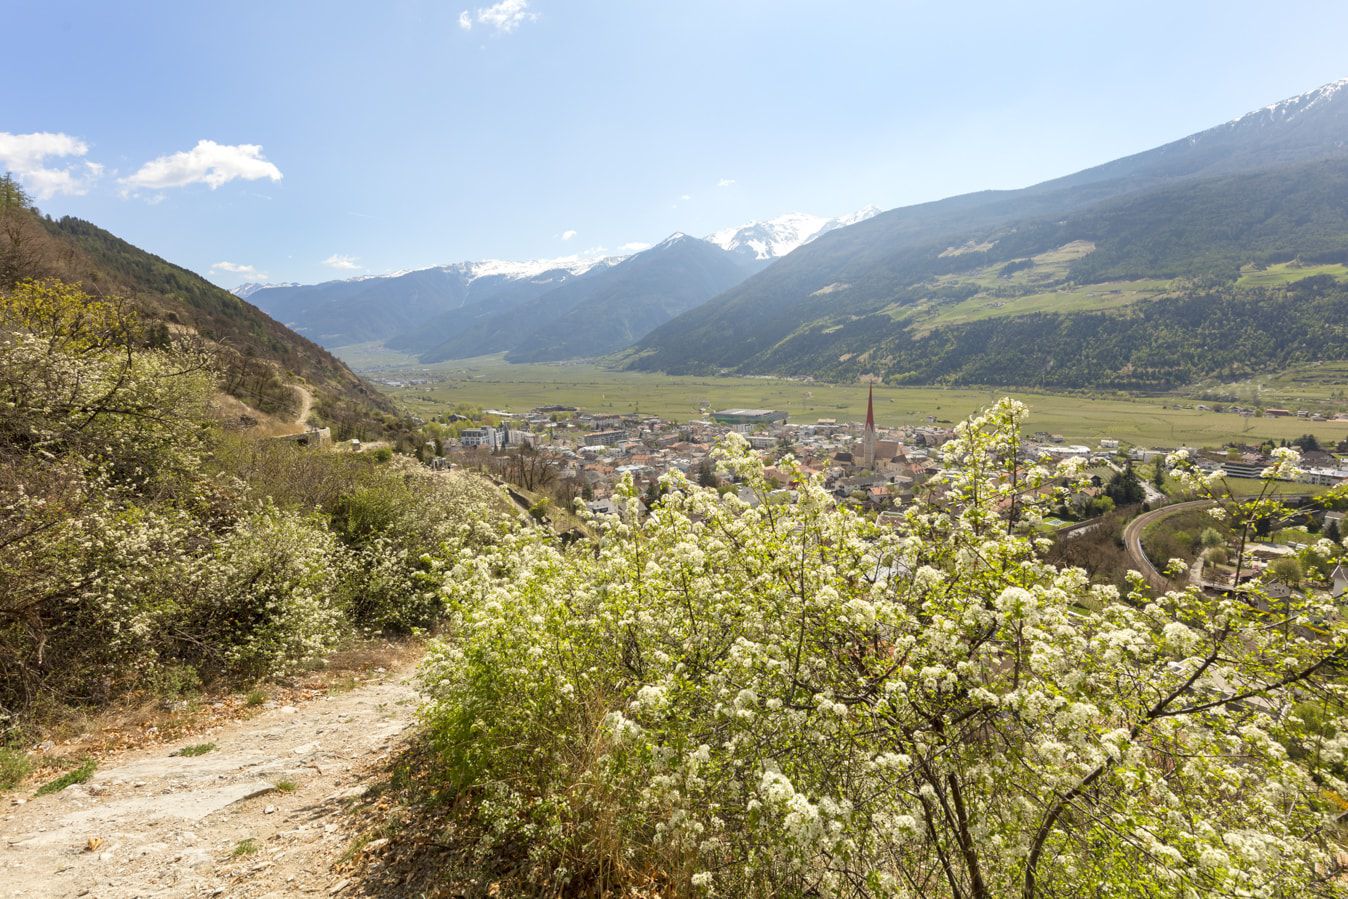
{"type": "Point", "coordinates": [488, 438]}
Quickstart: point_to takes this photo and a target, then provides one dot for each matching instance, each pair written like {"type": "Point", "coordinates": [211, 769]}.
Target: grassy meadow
{"type": "Point", "coordinates": [489, 382]}
{"type": "Point", "coordinates": [1281, 274]}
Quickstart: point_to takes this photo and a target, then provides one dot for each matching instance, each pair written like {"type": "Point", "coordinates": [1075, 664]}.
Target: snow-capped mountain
{"type": "Point", "coordinates": [532, 268]}
{"type": "Point", "coordinates": [1267, 185]}
{"type": "Point", "coordinates": [1285, 110]}
{"type": "Point", "coordinates": [244, 291]}
{"type": "Point", "coordinates": [487, 305]}
{"type": "Point", "coordinates": [775, 237]}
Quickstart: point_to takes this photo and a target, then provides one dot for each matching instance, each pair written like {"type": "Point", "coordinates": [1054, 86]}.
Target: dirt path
{"type": "Point", "coordinates": [153, 824]}
{"type": "Point", "coordinates": [306, 404]}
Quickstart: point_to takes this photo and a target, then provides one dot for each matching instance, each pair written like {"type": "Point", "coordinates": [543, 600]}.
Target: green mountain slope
{"type": "Point", "coordinates": [262, 360]}
{"type": "Point", "coordinates": [898, 294]}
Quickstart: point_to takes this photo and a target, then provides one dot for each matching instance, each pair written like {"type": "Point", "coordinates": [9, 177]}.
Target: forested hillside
{"type": "Point", "coordinates": [260, 360]}
{"type": "Point", "coordinates": [915, 294]}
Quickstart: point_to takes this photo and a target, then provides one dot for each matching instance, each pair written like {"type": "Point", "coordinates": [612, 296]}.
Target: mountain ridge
{"type": "Point", "coordinates": [904, 264]}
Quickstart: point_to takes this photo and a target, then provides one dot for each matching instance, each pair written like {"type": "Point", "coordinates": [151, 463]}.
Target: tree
{"type": "Point", "coordinates": [19, 244]}
{"type": "Point", "coordinates": [788, 699]}
{"type": "Point", "coordinates": [529, 468]}
{"type": "Point", "coordinates": [1125, 488]}
{"type": "Point", "coordinates": [1307, 443]}
{"type": "Point", "coordinates": [1158, 476]}
{"type": "Point", "coordinates": [706, 473]}
{"type": "Point", "coordinates": [1288, 570]}
{"type": "Point", "coordinates": [1333, 532]}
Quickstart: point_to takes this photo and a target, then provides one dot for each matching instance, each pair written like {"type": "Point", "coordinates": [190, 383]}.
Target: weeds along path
{"type": "Point", "coordinates": [260, 814]}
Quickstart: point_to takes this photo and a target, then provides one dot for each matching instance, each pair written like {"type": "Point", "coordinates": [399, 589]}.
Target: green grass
{"type": "Point", "coordinates": [246, 847]}
{"type": "Point", "coordinates": [1281, 273]}
{"type": "Point", "coordinates": [70, 778]}
{"type": "Point", "coordinates": [14, 767]}
{"type": "Point", "coordinates": [491, 383]}
{"type": "Point", "coordinates": [196, 750]}
{"type": "Point", "coordinates": [1316, 386]}
{"type": "Point", "coordinates": [1075, 298]}
{"type": "Point", "coordinates": [286, 786]}
{"type": "Point", "coordinates": [1243, 488]}
{"type": "Point", "coordinates": [254, 698]}
{"type": "Point", "coordinates": [373, 356]}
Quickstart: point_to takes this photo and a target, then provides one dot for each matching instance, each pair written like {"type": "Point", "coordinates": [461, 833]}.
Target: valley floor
{"type": "Point", "coordinates": [488, 382]}
{"type": "Point", "coordinates": [151, 823]}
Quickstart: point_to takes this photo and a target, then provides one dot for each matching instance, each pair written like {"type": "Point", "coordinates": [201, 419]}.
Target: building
{"type": "Point", "coordinates": [605, 438]}
{"type": "Point", "coordinates": [1323, 477]}
{"type": "Point", "coordinates": [748, 416]}
{"type": "Point", "coordinates": [868, 435]}
{"type": "Point", "coordinates": [488, 438]}
{"type": "Point", "coordinates": [1248, 465]}
{"type": "Point", "coordinates": [1339, 577]}
{"type": "Point", "coordinates": [311, 437]}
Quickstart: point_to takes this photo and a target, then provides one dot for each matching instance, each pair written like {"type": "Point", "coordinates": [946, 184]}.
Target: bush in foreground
{"type": "Point", "coordinates": [785, 700]}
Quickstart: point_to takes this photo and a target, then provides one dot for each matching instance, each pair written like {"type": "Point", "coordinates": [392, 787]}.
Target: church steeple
{"type": "Point", "coordinates": [868, 436]}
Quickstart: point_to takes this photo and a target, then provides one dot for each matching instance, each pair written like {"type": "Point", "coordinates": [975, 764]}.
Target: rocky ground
{"type": "Point", "coordinates": [262, 813]}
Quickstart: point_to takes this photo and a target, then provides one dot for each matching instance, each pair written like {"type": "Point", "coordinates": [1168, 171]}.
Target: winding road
{"type": "Point", "coordinates": [1132, 538]}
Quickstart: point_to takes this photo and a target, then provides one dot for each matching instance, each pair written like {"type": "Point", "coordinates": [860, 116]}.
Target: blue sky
{"type": "Point", "coordinates": [312, 139]}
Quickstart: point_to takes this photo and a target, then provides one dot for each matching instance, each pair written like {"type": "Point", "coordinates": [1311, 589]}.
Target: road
{"type": "Point", "coordinates": [1132, 538]}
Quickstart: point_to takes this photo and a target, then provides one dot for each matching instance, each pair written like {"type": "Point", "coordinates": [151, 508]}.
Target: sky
{"type": "Point", "coordinates": [305, 140]}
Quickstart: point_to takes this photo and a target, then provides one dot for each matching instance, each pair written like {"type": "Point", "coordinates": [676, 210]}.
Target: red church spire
{"type": "Point", "coordinates": [870, 409]}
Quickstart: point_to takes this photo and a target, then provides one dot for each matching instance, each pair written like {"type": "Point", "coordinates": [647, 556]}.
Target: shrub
{"type": "Point", "coordinates": [70, 778]}
{"type": "Point", "coordinates": [14, 767]}
{"type": "Point", "coordinates": [784, 699]}
{"type": "Point", "coordinates": [195, 750]}
{"type": "Point", "coordinates": [270, 602]}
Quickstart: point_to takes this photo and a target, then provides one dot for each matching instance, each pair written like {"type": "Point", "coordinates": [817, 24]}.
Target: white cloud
{"type": "Point", "coordinates": [635, 246]}
{"type": "Point", "coordinates": [568, 233]}
{"type": "Point", "coordinates": [207, 163]}
{"type": "Point", "coordinates": [726, 182]}
{"type": "Point", "coordinates": [26, 156]}
{"type": "Point", "coordinates": [685, 197]}
{"type": "Point", "coordinates": [345, 263]}
{"type": "Point", "coordinates": [238, 268]}
{"type": "Point", "coordinates": [505, 16]}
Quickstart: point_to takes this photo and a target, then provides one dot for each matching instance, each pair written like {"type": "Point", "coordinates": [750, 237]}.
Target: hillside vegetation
{"type": "Point", "coordinates": [759, 698]}
{"type": "Point", "coordinates": [1244, 206]}
{"type": "Point", "coordinates": [145, 548]}
{"type": "Point", "coordinates": [258, 360]}
{"type": "Point", "coordinates": [1092, 300]}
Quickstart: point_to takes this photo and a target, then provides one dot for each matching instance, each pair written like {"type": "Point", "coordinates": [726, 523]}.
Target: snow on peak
{"type": "Point", "coordinates": [778, 236]}
{"type": "Point", "coordinates": [1294, 106]}
{"type": "Point", "coordinates": [244, 291]}
{"type": "Point", "coordinates": [502, 268]}
{"type": "Point", "coordinates": [672, 239]}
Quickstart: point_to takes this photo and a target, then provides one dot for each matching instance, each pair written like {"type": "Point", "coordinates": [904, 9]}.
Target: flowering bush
{"type": "Point", "coordinates": [269, 601]}
{"type": "Point", "coordinates": [784, 699]}
{"type": "Point", "coordinates": [141, 548]}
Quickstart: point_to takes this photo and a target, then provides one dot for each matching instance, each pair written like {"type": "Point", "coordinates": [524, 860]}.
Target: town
{"type": "Point", "coordinates": [568, 453]}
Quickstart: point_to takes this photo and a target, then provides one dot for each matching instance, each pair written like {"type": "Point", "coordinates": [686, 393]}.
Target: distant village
{"type": "Point", "coordinates": [569, 452]}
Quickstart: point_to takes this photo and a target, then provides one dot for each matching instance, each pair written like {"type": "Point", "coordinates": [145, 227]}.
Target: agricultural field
{"type": "Point", "coordinates": [1024, 286]}
{"type": "Point", "coordinates": [1068, 298]}
{"type": "Point", "coordinates": [1317, 386]}
{"type": "Point", "coordinates": [489, 382]}
{"type": "Point", "coordinates": [1282, 273]}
